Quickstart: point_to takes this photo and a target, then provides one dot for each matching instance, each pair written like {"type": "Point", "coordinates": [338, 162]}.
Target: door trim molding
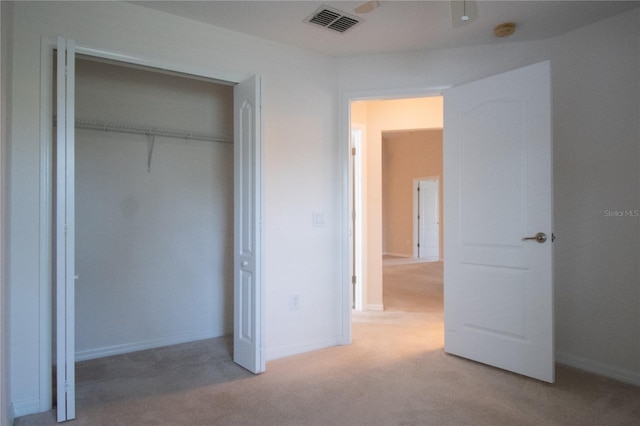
{"type": "Point", "coordinates": [344, 154]}
{"type": "Point", "coordinates": [46, 224]}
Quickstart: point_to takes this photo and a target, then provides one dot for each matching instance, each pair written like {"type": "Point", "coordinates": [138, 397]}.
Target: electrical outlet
{"type": "Point", "coordinates": [294, 302]}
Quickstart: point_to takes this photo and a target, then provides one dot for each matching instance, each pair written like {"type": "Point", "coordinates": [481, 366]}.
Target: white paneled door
{"type": "Point", "coordinates": [65, 231]}
{"type": "Point", "coordinates": [428, 220]}
{"type": "Point", "coordinates": [248, 294]}
{"type": "Point", "coordinates": [498, 228]}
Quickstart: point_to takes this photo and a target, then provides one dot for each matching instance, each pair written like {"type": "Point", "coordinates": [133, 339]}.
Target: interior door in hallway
{"type": "Point", "coordinates": [428, 220]}
{"type": "Point", "coordinates": [498, 234]}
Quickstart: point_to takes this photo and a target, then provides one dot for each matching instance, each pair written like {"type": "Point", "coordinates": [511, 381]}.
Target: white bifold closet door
{"type": "Point", "coordinates": [248, 291]}
{"type": "Point", "coordinates": [248, 285]}
{"type": "Point", "coordinates": [65, 231]}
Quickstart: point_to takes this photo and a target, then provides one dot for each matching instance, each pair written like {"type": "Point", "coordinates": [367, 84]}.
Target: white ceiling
{"type": "Point", "coordinates": [395, 25]}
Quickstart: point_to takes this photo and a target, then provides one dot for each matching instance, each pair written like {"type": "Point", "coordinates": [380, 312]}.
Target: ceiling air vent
{"type": "Point", "coordinates": [333, 19]}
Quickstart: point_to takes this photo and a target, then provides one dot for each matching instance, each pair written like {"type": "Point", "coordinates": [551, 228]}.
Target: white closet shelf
{"type": "Point", "coordinates": [146, 130]}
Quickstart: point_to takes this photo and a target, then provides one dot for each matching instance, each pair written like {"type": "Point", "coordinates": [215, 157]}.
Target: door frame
{"type": "Point", "coordinates": [46, 207]}
{"type": "Point", "coordinates": [416, 211]}
{"type": "Point", "coordinates": [344, 153]}
{"type": "Point", "coordinates": [359, 291]}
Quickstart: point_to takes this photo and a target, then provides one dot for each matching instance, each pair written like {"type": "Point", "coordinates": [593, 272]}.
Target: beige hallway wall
{"type": "Point", "coordinates": [407, 155]}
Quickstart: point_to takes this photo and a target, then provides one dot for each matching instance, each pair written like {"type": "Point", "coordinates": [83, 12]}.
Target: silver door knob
{"type": "Point", "coordinates": [540, 237]}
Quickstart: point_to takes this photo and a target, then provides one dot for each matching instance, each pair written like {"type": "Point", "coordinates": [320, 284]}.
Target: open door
{"type": "Point", "coordinates": [248, 294]}
{"type": "Point", "coordinates": [498, 299]}
{"type": "Point", "coordinates": [65, 231]}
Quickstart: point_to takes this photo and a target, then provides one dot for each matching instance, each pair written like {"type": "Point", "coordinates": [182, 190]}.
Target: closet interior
{"type": "Point", "coordinates": [153, 210]}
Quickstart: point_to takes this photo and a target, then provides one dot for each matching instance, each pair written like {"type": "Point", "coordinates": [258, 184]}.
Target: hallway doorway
{"type": "Point", "coordinates": [401, 142]}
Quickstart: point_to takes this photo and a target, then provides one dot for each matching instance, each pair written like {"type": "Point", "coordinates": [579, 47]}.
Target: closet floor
{"type": "Point", "coordinates": [158, 371]}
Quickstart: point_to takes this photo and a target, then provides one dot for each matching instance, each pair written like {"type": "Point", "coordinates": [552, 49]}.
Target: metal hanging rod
{"type": "Point", "coordinates": [146, 130]}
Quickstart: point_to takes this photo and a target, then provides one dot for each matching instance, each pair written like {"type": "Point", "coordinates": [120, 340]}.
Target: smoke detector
{"type": "Point", "coordinates": [333, 19]}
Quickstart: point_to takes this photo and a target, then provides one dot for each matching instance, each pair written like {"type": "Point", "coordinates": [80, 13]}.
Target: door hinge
{"type": "Point", "coordinates": [553, 237]}
{"type": "Point", "coordinates": [353, 279]}
{"type": "Point", "coordinates": [353, 151]}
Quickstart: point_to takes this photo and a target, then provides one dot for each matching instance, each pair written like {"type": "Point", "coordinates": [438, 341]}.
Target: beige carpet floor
{"type": "Point", "coordinates": [394, 373]}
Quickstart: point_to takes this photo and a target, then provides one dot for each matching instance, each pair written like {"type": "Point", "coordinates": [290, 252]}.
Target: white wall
{"type": "Point", "coordinates": [406, 156]}
{"type": "Point", "coordinates": [303, 169]}
{"type": "Point", "coordinates": [301, 173]}
{"type": "Point", "coordinates": [595, 75]}
{"type": "Point", "coordinates": [6, 17]}
{"type": "Point", "coordinates": [596, 85]}
{"type": "Point", "coordinates": [433, 70]}
{"type": "Point", "coordinates": [153, 246]}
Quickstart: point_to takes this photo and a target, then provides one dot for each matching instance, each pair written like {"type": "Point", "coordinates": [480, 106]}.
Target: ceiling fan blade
{"type": "Point", "coordinates": [463, 11]}
{"type": "Point", "coordinates": [367, 6]}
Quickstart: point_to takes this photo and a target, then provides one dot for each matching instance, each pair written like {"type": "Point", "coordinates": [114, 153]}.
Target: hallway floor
{"type": "Point", "coordinates": [413, 287]}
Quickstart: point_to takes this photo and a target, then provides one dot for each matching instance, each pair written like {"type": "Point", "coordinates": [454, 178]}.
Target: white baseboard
{"type": "Point", "coordinates": [374, 307]}
{"type": "Point", "coordinates": [299, 348]}
{"type": "Point", "coordinates": [11, 414]}
{"type": "Point", "coordinates": [606, 370]}
{"type": "Point", "coordinates": [85, 355]}
{"type": "Point", "coordinates": [23, 408]}
{"type": "Point", "coordinates": [430, 258]}
{"type": "Point", "coordinates": [397, 254]}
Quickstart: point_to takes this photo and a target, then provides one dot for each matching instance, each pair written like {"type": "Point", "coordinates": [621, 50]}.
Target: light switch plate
{"type": "Point", "coordinates": [318, 219]}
